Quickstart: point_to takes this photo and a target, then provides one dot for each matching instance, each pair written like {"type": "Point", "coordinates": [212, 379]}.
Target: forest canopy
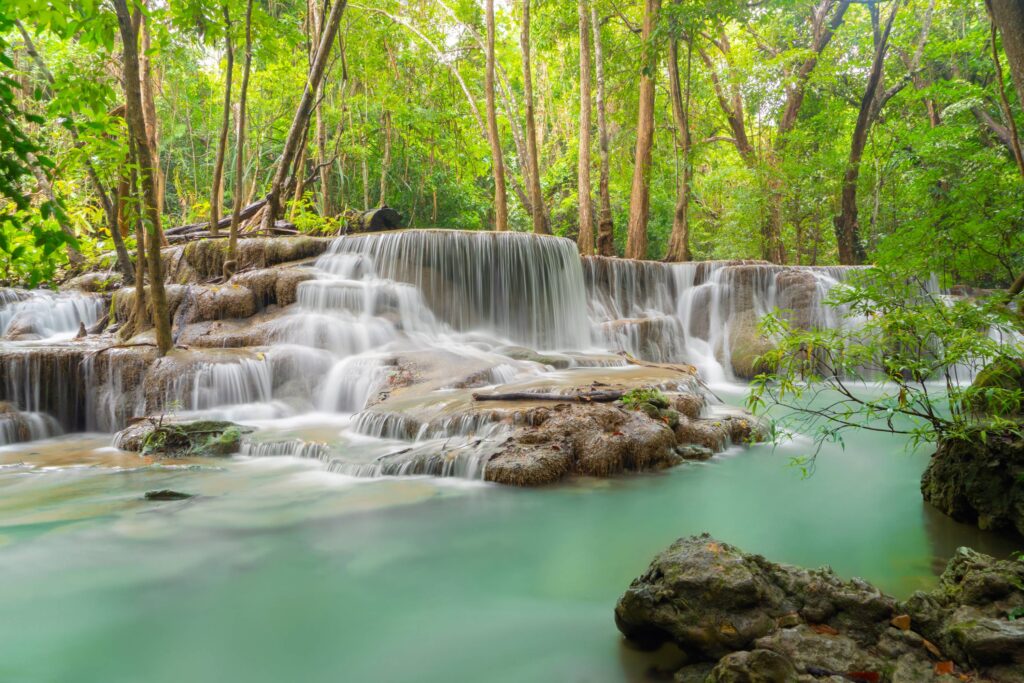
{"type": "Point", "coordinates": [801, 132]}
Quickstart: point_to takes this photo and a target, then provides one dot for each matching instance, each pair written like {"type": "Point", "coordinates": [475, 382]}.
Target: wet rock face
{"type": "Point", "coordinates": [167, 439]}
{"type": "Point", "coordinates": [203, 260]}
{"type": "Point", "coordinates": [550, 443]}
{"type": "Point", "coordinates": [968, 616]}
{"type": "Point", "coordinates": [979, 482]}
{"type": "Point", "coordinates": [596, 440]}
{"type": "Point", "coordinates": [755, 620]}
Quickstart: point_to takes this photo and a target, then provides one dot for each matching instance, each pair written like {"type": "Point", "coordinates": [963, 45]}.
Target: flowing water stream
{"type": "Point", "coordinates": [310, 557]}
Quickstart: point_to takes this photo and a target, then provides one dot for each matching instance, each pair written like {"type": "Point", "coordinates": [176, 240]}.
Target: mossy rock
{"type": "Point", "coordinates": [1004, 374]}
{"type": "Point", "coordinates": [201, 439]}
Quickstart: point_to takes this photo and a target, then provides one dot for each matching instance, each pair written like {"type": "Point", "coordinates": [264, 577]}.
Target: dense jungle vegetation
{"type": "Point", "coordinates": [802, 132]}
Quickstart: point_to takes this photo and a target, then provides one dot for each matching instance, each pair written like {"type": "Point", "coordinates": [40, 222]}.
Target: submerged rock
{"type": "Point", "coordinates": [979, 480]}
{"type": "Point", "coordinates": [165, 439]}
{"type": "Point", "coordinates": [167, 494]}
{"type": "Point", "coordinates": [760, 621]}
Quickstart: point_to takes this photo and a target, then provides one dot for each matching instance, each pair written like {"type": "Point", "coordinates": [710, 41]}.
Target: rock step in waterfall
{"type": "Point", "coordinates": [364, 351]}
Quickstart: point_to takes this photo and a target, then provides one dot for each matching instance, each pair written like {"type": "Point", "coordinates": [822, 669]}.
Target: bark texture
{"type": "Point", "coordinates": [640, 195]}
{"type": "Point", "coordinates": [585, 240]}
{"type": "Point", "coordinates": [497, 163]}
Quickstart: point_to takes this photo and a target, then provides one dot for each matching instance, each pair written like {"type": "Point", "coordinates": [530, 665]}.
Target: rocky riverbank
{"type": "Point", "coordinates": [739, 617]}
{"type": "Point", "coordinates": [979, 480]}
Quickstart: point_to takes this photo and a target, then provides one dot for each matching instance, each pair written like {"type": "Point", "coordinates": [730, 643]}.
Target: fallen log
{"type": "Point", "coordinates": [582, 397]}
{"type": "Point", "coordinates": [224, 223]}
{"type": "Point", "coordinates": [374, 220]}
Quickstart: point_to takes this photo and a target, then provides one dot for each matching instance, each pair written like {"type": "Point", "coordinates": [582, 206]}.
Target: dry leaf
{"type": "Point", "coordinates": [945, 667]}
{"type": "Point", "coordinates": [932, 650]}
{"type": "Point", "coordinates": [902, 622]}
{"type": "Point", "coordinates": [824, 629]}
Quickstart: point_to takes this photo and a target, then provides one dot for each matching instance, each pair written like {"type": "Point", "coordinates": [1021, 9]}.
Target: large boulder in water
{"type": "Point", "coordinates": [747, 346]}
{"type": "Point", "coordinates": [755, 620]}
{"type": "Point", "coordinates": [979, 480]}
{"type": "Point", "coordinates": [583, 439]}
{"type": "Point", "coordinates": [172, 439]}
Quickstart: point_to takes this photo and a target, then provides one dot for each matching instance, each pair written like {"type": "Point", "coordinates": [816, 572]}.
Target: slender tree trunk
{"type": "Point", "coordinates": [240, 139]}
{"type": "Point", "coordinates": [500, 198]}
{"type": "Point", "coordinates": [149, 112]}
{"type": "Point", "coordinates": [585, 241]}
{"type": "Point", "coordinates": [1009, 44]}
{"type": "Point", "coordinates": [138, 132]}
{"type": "Point", "coordinates": [217, 191]}
{"type": "Point", "coordinates": [639, 196]}
{"type": "Point", "coordinates": [851, 249]}
{"type": "Point", "coordinates": [605, 227]}
{"type": "Point", "coordinates": [532, 171]}
{"type": "Point", "coordinates": [679, 241]}
{"type": "Point", "coordinates": [1008, 15]}
{"type": "Point", "coordinates": [386, 160]}
{"type": "Point", "coordinates": [133, 205]}
{"type": "Point", "coordinates": [300, 122]}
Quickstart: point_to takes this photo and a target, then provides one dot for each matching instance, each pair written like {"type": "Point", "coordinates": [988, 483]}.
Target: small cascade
{"type": "Point", "coordinates": [45, 315]}
{"type": "Point", "coordinates": [45, 379]}
{"type": "Point", "coordinates": [701, 313]}
{"type": "Point", "coordinates": [523, 288]}
{"type": "Point", "coordinates": [351, 383]}
{"type": "Point", "coordinates": [18, 427]}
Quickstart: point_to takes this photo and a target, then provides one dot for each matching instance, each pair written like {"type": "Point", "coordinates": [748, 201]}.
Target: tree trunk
{"type": "Point", "coordinates": [137, 130]}
{"type": "Point", "coordinates": [500, 198]}
{"type": "Point", "coordinates": [300, 122]}
{"type": "Point", "coordinates": [585, 241]}
{"type": "Point", "coordinates": [1015, 19]}
{"type": "Point", "coordinates": [851, 249]}
{"type": "Point", "coordinates": [240, 139]}
{"type": "Point", "coordinates": [149, 111]}
{"type": "Point", "coordinates": [679, 241]}
{"type": "Point", "coordinates": [216, 192]}
{"type": "Point", "coordinates": [532, 162]}
{"type": "Point", "coordinates": [386, 161]}
{"type": "Point", "coordinates": [639, 196]}
{"type": "Point", "coordinates": [1008, 15]}
{"type": "Point", "coordinates": [605, 227]}
{"type": "Point", "coordinates": [140, 318]}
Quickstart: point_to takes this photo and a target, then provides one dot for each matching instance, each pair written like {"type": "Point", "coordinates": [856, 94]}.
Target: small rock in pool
{"type": "Point", "coordinates": [167, 494]}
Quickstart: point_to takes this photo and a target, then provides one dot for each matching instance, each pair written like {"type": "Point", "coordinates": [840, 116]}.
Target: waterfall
{"type": "Point", "coordinates": [42, 314]}
{"type": "Point", "coordinates": [520, 287]}
{"type": "Point", "coordinates": [699, 313]}
{"type": "Point", "coordinates": [391, 334]}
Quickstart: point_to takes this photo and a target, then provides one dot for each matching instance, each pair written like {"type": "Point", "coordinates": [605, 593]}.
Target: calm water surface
{"type": "Point", "coordinates": [280, 571]}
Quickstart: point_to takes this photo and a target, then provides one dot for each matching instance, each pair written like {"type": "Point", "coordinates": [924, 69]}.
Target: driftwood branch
{"type": "Point", "coordinates": [587, 397]}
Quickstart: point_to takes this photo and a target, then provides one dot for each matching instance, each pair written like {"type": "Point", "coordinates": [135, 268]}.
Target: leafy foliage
{"type": "Point", "coordinates": [903, 364]}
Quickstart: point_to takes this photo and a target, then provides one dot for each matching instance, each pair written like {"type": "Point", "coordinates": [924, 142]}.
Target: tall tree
{"type": "Point", "coordinates": [128, 26]}
{"type": "Point", "coordinates": [640, 192]}
{"type": "Point", "coordinates": [240, 138]}
{"type": "Point", "coordinates": [1008, 15]}
{"type": "Point", "coordinates": [497, 163]}
{"type": "Point", "coordinates": [533, 164]}
{"type": "Point", "coordinates": [300, 121]}
{"type": "Point", "coordinates": [217, 190]}
{"type": "Point", "coordinates": [679, 240]}
{"type": "Point", "coordinates": [149, 106]}
{"type": "Point", "coordinates": [605, 226]}
{"type": "Point", "coordinates": [585, 241]}
{"type": "Point", "coordinates": [825, 18]}
{"type": "Point", "coordinates": [876, 96]}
